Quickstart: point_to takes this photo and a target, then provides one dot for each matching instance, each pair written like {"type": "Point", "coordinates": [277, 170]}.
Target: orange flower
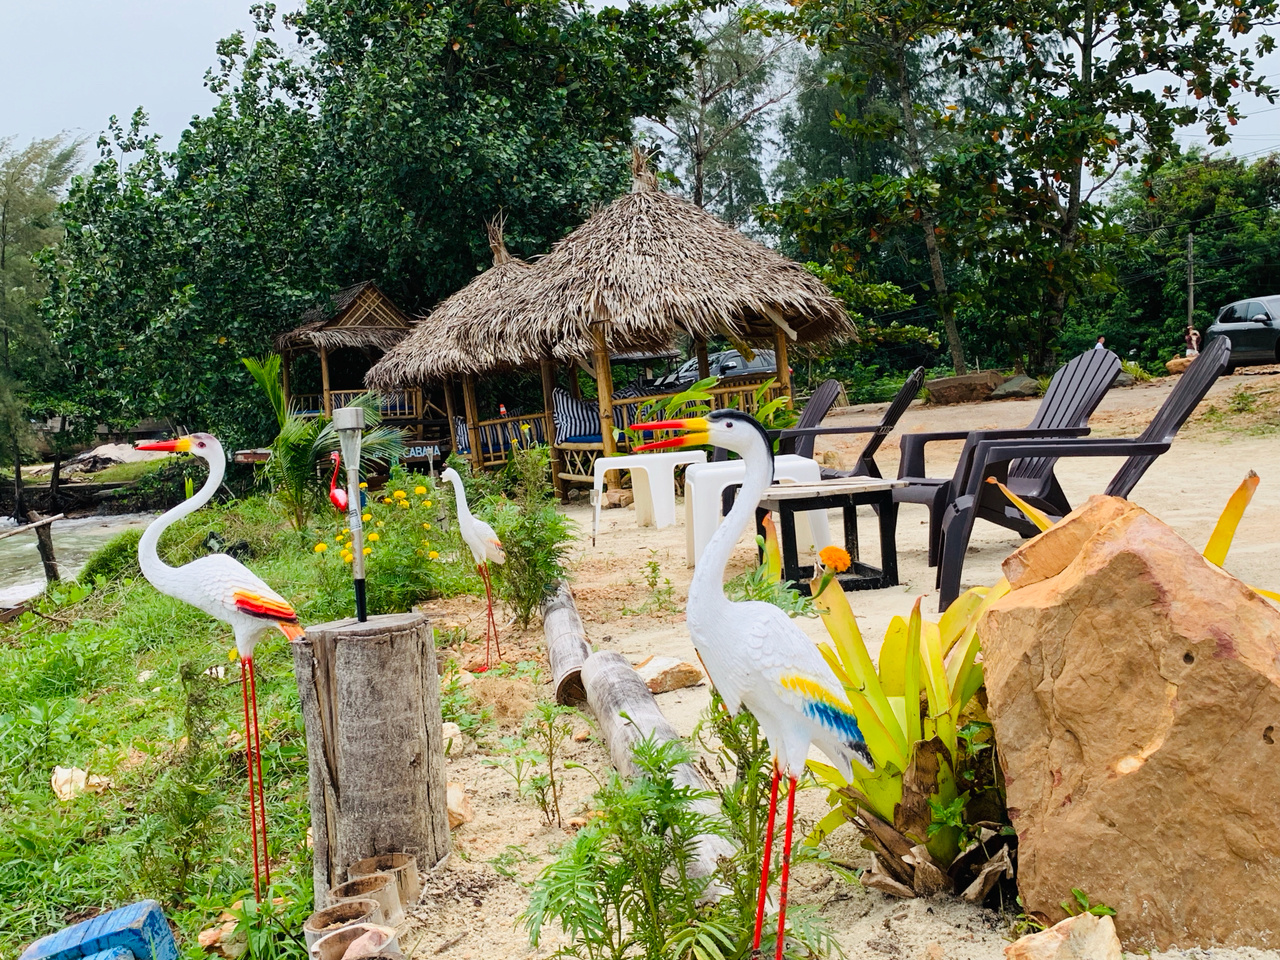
{"type": "Point", "coordinates": [835, 558]}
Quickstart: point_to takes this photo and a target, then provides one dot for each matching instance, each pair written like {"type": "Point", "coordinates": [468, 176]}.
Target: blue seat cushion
{"type": "Point", "coordinates": [585, 438]}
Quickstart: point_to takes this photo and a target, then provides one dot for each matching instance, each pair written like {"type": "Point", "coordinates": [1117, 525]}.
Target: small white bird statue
{"type": "Point", "coordinates": [227, 590]}
{"type": "Point", "coordinates": [485, 547]}
{"type": "Point", "coordinates": [753, 653]}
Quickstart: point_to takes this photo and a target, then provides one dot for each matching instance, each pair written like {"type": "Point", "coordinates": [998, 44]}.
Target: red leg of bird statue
{"type": "Point", "coordinates": [491, 625]}
{"type": "Point", "coordinates": [768, 856]}
{"type": "Point", "coordinates": [786, 866]}
{"type": "Point", "coordinates": [248, 758]}
{"type": "Point", "coordinates": [262, 797]}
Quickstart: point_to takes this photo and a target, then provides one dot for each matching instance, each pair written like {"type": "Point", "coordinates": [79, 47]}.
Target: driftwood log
{"type": "Point", "coordinates": [567, 646]}
{"type": "Point", "coordinates": [613, 688]}
{"type": "Point", "coordinates": [371, 705]}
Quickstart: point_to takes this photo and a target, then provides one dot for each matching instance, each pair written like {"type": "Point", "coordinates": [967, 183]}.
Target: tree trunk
{"type": "Point", "coordinates": [44, 543]}
{"type": "Point", "coordinates": [19, 498]}
{"type": "Point", "coordinates": [567, 645]}
{"type": "Point", "coordinates": [55, 481]}
{"type": "Point", "coordinates": [614, 689]}
{"type": "Point", "coordinates": [370, 700]}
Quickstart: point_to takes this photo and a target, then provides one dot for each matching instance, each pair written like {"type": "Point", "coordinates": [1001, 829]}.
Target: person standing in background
{"type": "Point", "coordinates": [1101, 344]}
{"type": "Point", "coordinates": [1192, 340]}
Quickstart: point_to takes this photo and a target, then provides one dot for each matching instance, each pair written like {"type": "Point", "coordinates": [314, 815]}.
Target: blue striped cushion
{"type": "Point", "coordinates": [461, 439]}
{"type": "Point", "coordinates": [577, 421]}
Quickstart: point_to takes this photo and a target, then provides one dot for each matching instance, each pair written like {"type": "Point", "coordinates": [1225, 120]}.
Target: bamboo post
{"type": "Point", "coordinates": [567, 645]}
{"type": "Point", "coordinates": [613, 690]}
{"type": "Point", "coordinates": [472, 413]}
{"type": "Point", "coordinates": [784, 368]}
{"type": "Point", "coordinates": [604, 387]}
{"type": "Point", "coordinates": [450, 412]}
{"type": "Point", "coordinates": [548, 371]}
{"type": "Point", "coordinates": [370, 699]}
{"type": "Point", "coordinates": [704, 364]}
{"type": "Point", "coordinates": [324, 381]}
{"type": "Point", "coordinates": [575, 385]}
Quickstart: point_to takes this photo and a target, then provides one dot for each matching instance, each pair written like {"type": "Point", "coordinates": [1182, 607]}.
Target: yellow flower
{"type": "Point", "coordinates": [426, 526]}
{"type": "Point", "coordinates": [374, 537]}
{"type": "Point", "coordinates": [366, 517]}
{"type": "Point", "coordinates": [419, 490]}
{"type": "Point", "coordinates": [426, 503]}
{"type": "Point", "coordinates": [233, 655]}
{"type": "Point", "coordinates": [364, 486]}
{"type": "Point", "coordinates": [348, 557]}
{"type": "Point", "coordinates": [400, 494]}
{"type": "Point", "coordinates": [346, 530]}
{"type": "Point", "coordinates": [387, 500]}
{"type": "Point", "coordinates": [368, 550]}
{"type": "Point", "coordinates": [433, 555]}
{"type": "Point", "coordinates": [381, 523]}
{"type": "Point", "coordinates": [836, 558]}
{"type": "Point", "coordinates": [321, 547]}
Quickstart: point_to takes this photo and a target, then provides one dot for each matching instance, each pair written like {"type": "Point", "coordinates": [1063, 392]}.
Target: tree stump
{"type": "Point", "coordinates": [567, 645]}
{"type": "Point", "coordinates": [371, 704]}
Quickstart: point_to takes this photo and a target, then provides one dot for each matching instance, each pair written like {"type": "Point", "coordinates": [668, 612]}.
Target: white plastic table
{"type": "Point", "coordinates": [704, 486]}
{"type": "Point", "coordinates": [653, 482]}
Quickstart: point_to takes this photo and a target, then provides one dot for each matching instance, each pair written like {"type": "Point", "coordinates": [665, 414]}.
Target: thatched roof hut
{"type": "Point", "coordinates": [359, 316]}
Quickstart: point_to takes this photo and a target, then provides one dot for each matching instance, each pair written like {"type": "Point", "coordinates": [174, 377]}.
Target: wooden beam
{"type": "Point", "coordinates": [324, 381]}
{"type": "Point", "coordinates": [450, 413]}
{"type": "Point", "coordinates": [704, 365]}
{"type": "Point", "coordinates": [604, 390]}
{"type": "Point", "coordinates": [31, 526]}
{"type": "Point", "coordinates": [547, 368]}
{"type": "Point", "coordinates": [784, 370]}
{"type": "Point", "coordinates": [285, 361]}
{"type": "Point", "coordinates": [473, 419]}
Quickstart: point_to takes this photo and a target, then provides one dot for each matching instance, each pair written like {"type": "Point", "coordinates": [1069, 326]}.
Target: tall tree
{"type": "Point", "coordinates": [32, 179]}
{"type": "Point", "coordinates": [715, 134]}
{"type": "Point", "coordinates": [376, 150]}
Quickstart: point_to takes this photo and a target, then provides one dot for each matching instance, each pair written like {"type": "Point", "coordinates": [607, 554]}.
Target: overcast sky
{"type": "Point", "coordinates": [71, 64]}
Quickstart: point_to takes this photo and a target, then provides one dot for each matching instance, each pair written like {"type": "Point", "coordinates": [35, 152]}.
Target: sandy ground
{"type": "Point", "coordinates": [473, 903]}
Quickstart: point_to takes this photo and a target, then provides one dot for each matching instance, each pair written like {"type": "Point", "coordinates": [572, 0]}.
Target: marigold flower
{"type": "Point", "coordinates": [366, 517]}
{"type": "Point", "coordinates": [368, 550]}
{"type": "Point", "coordinates": [374, 537]}
{"type": "Point", "coordinates": [363, 485]}
{"type": "Point", "coordinates": [387, 500]}
{"type": "Point", "coordinates": [433, 555]}
{"type": "Point", "coordinates": [399, 494]}
{"type": "Point", "coordinates": [426, 526]}
{"type": "Point", "coordinates": [837, 558]}
{"type": "Point", "coordinates": [381, 523]}
{"type": "Point", "coordinates": [321, 547]}
{"type": "Point", "coordinates": [348, 557]}
{"type": "Point", "coordinates": [419, 490]}
{"type": "Point", "coordinates": [426, 503]}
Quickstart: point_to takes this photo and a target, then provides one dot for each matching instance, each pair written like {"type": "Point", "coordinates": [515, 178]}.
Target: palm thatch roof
{"type": "Point", "coordinates": [651, 265]}
{"type": "Point", "coordinates": [359, 316]}
{"type": "Point", "coordinates": [646, 268]}
{"type": "Point", "coordinates": [454, 338]}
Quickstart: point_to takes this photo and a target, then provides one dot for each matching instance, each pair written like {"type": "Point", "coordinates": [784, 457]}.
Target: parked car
{"type": "Point", "coordinates": [726, 363]}
{"type": "Point", "coordinates": [1253, 327]}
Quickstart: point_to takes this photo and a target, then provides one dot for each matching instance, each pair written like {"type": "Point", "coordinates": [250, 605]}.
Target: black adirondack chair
{"type": "Point", "coordinates": [1073, 394]}
{"type": "Point", "coordinates": [804, 435]}
{"type": "Point", "coordinates": [994, 455]}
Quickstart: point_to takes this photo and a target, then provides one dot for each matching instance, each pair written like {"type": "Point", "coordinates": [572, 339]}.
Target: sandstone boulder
{"type": "Point", "coordinates": [966, 389]}
{"type": "Point", "coordinates": [459, 806]}
{"type": "Point", "coordinates": [1019, 386]}
{"type": "Point", "coordinates": [1083, 937]}
{"type": "Point", "coordinates": [1178, 364]}
{"type": "Point", "coordinates": [1135, 693]}
{"type": "Point", "coordinates": [664, 674]}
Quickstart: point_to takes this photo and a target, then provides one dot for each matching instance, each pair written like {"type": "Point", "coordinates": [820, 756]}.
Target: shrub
{"type": "Point", "coordinates": [1134, 369]}
{"type": "Point", "coordinates": [114, 560]}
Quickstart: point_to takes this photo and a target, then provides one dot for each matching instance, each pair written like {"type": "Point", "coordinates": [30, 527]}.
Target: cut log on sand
{"type": "Point", "coordinates": [613, 688]}
{"type": "Point", "coordinates": [371, 705]}
{"type": "Point", "coordinates": [567, 646]}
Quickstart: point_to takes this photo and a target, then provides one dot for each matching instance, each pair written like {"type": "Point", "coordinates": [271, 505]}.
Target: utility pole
{"type": "Point", "coordinates": [1191, 277]}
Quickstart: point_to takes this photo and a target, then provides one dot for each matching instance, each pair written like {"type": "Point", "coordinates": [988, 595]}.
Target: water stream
{"type": "Point", "coordinates": [21, 574]}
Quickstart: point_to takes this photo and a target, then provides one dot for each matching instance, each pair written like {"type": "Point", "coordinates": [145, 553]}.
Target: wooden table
{"type": "Point", "coordinates": [846, 495]}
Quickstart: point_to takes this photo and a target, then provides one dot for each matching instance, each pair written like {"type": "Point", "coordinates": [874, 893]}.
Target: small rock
{"type": "Point", "coordinates": [455, 742]}
{"type": "Point", "coordinates": [885, 945]}
{"type": "Point", "coordinates": [465, 678]}
{"type": "Point", "coordinates": [933, 951]}
{"type": "Point", "coordinates": [1082, 937]}
{"type": "Point", "coordinates": [1019, 386]}
{"type": "Point", "coordinates": [70, 782]}
{"type": "Point", "coordinates": [1124, 380]}
{"type": "Point", "coordinates": [577, 823]}
{"type": "Point", "coordinates": [582, 735]}
{"type": "Point", "coordinates": [222, 941]}
{"type": "Point", "coordinates": [146, 675]}
{"type": "Point", "coordinates": [664, 674]}
{"type": "Point", "coordinates": [614, 499]}
{"type": "Point", "coordinates": [574, 493]}
{"type": "Point", "coordinates": [460, 811]}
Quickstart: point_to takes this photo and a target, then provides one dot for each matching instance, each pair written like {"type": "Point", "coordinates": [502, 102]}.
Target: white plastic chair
{"type": "Point", "coordinates": [653, 482]}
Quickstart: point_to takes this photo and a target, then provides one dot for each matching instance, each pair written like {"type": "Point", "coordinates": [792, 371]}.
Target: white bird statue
{"type": "Point", "coordinates": [485, 548]}
{"type": "Point", "coordinates": [753, 653]}
{"type": "Point", "coordinates": [227, 590]}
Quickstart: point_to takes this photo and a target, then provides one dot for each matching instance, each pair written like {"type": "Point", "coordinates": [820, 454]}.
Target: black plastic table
{"type": "Point", "coordinates": [846, 495]}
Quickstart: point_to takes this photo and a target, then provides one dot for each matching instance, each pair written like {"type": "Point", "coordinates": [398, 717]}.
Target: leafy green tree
{"type": "Point", "coordinates": [375, 150]}
{"type": "Point", "coordinates": [32, 179]}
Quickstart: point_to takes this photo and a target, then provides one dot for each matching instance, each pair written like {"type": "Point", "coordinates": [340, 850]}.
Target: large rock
{"type": "Point", "coordinates": [1019, 386]}
{"type": "Point", "coordinates": [966, 389]}
{"type": "Point", "coordinates": [1135, 693]}
{"type": "Point", "coordinates": [1178, 364]}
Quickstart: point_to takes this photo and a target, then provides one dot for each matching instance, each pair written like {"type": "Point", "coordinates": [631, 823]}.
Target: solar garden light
{"type": "Point", "coordinates": [349, 422]}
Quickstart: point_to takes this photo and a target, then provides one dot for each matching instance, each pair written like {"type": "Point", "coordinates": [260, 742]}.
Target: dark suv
{"type": "Point", "coordinates": [1253, 327]}
{"type": "Point", "coordinates": [726, 363]}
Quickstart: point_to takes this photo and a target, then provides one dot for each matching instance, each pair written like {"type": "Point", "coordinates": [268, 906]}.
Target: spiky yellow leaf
{"type": "Point", "coordinates": [772, 552]}
{"type": "Point", "coordinates": [1038, 517]}
{"type": "Point", "coordinates": [893, 653]}
{"type": "Point", "coordinates": [1225, 529]}
{"type": "Point", "coordinates": [911, 675]}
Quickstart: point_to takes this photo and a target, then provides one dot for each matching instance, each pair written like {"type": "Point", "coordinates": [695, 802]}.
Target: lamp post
{"type": "Point", "coordinates": [349, 422]}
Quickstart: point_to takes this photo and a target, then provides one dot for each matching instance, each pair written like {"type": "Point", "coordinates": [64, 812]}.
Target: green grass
{"type": "Point", "coordinates": [129, 472]}
{"type": "Point", "coordinates": [101, 686]}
